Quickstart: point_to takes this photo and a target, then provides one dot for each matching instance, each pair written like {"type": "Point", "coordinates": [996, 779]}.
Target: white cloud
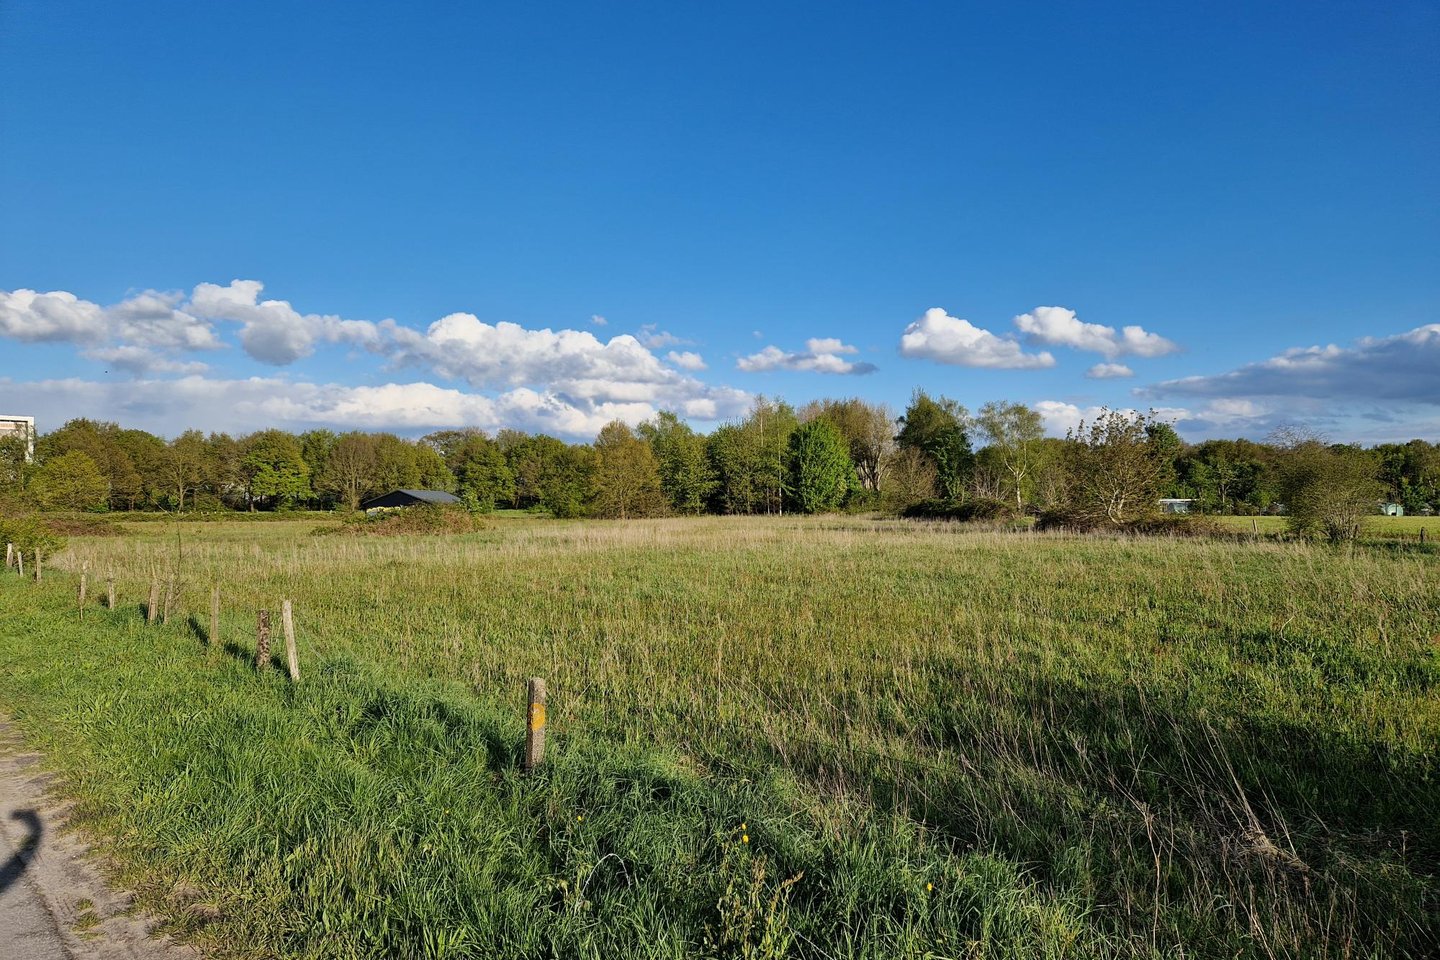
{"type": "Point", "coordinates": [49, 317]}
{"type": "Point", "coordinates": [1109, 371]}
{"type": "Point", "coordinates": [821, 355]}
{"type": "Point", "coordinates": [1060, 327]}
{"type": "Point", "coordinates": [598, 320]}
{"type": "Point", "coordinates": [272, 331]}
{"type": "Point", "coordinates": [245, 405]}
{"type": "Point", "coordinates": [946, 339]}
{"type": "Point", "coordinates": [686, 360]}
{"type": "Point", "coordinates": [156, 319]}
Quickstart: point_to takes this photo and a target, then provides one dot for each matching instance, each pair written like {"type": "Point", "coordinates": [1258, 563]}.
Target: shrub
{"type": "Point", "coordinates": [978, 508]}
{"type": "Point", "coordinates": [424, 520]}
{"type": "Point", "coordinates": [29, 534]}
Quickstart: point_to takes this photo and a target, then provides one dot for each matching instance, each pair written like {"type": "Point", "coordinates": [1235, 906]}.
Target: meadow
{"type": "Point", "coordinates": [768, 737]}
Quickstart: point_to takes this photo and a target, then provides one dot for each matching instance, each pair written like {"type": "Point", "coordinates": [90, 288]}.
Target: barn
{"type": "Point", "coordinates": [409, 498]}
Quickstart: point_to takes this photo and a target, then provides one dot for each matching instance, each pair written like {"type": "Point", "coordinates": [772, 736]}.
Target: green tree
{"type": "Point", "coordinates": [350, 469]}
{"type": "Point", "coordinates": [1116, 472]}
{"type": "Point", "coordinates": [273, 469]}
{"type": "Point", "coordinates": [686, 474]}
{"type": "Point", "coordinates": [482, 476]}
{"type": "Point", "coordinates": [868, 429]}
{"type": "Point", "coordinates": [1013, 433]}
{"type": "Point", "coordinates": [185, 463]}
{"type": "Point", "coordinates": [70, 481]}
{"type": "Point", "coordinates": [938, 429]}
{"type": "Point", "coordinates": [627, 475]}
{"type": "Point", "coordinates": [1327, 490]}
{"type": "Point", "coordinates": [566, 478]}
{"type": "Point", "coordinates": [821, 474]}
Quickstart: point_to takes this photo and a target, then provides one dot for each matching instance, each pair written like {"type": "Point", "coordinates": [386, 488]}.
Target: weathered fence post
{"type": "Point", "coordinates": [287, 622]}
{"type": "Point", "coordinates": [1422, 534]}
{"type": "Point", "coordinates": [152, 608]}
{"type": "Point", "coordinates": [37, 564]}
{"type": "Point", "coordinates": [1255, 526]}
{"type": "Point", "coordinates": [110, 592]}
{"type": "Point", "coordinates": [213, 637]}
{"type": "Point", "coordinates": [20, 561]}
{"type": "Point", "coordinates": [9, 555]}
{"type": "Point", "coordinates": [83, 577]}
{"type": "Point", "coordinates": [535, 724]}
{"type": "Point", "coordinates": [262, 640]}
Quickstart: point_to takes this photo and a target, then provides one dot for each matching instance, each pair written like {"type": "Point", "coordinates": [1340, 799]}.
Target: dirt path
{"type": "Point", "coordinates": [54, 905]}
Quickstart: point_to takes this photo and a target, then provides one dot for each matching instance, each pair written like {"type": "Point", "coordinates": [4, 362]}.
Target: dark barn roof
{"type": "Point", "coordinates": [408, 498]}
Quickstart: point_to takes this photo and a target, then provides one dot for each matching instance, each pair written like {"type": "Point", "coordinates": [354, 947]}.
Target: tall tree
{"type": "Point", "coordinates": [70, 481]}
{"type": "Point", "coordinates": [350, 469]}
{"type": "Point", "coordinates": [627, 476]}
{"type": "Point", "coordinates": [273, 469]}
{"type": "Point", "coordinates": [482, 477]}
{"type": "Point", "coordinates": [686, 474]}
{"type": "Point", "coordinates": [868, 429]}
{"type": "Point", "coordinates": [1327, 490]}
{"type": "Point", "coordinates": [821, 474]}
{"type": "Point", "coordinates": [939, 430]}
{"type": "Point", "coordinates": [185, 464]}
{"type": "Point", "coordinates": [1014, 432]}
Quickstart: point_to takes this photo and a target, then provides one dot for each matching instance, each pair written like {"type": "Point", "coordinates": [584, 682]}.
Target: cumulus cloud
{"type": "Point", "coordinates": [569, 377]}
{"type": "Point", "coordinates": [57, 316]}
{"type": "Point", "coordinates": [1109, 371]}
{"type": "Point", "coordinates": [598, 320]}
{"type": "Point", "coordinates": [821, 355]}
{"type": "Point", "coordinates": [246, 405]}
{"type": "Point", "coordinates": [1403, 368]}
{"type": "Point", "coordinates": [140, 334]}
{"type": "Point", "coordinates": [938, 336]}
{"type": "Point", "coordinates": [686, 359]}
{"type": "Point", "coordinates": [272, 331]}
{"type": "Point", "coordinates": [1060, 327]}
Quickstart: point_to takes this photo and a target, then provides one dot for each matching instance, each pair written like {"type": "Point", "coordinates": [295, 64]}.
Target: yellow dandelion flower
{"type": "Point", "coordinates": [743, 827]}
{"type": "Point", "coordinates": [745, 838]}
{"type": "Point", "coordinates": [929, 887]}
{"type": "Point", "coordinates": [580, 819]}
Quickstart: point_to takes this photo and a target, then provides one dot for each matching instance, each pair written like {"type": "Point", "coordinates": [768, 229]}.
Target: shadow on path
{"type": "Point", "coordinates": [15, 866]}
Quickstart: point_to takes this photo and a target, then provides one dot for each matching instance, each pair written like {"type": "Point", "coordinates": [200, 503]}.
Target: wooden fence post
{"type": "Point", "coordinates": [213, 637]}
{"type": "Point", "coordinates": [20, 561]}
{"type": "Point", "coordinates": [9, 555]}
{"type": "Point", "coordinates": [535, 724]}
{"type": "Point", "coordinates": [83, 577]}
{"type": "Point", "coordinates": [152, 608]}
{"type": "Point", "coordinates": [37, 564]}
{"type": "Point", "coordinates": [287, 622]}
{"type": "Point", "coordinates": [1422, 534]}
{"type": "Point", "coordinates": [110, 592]}
{"type": "Point", "coordinates": [1255, 526]}
{"type": "Point", "coordinates": [262, 640]}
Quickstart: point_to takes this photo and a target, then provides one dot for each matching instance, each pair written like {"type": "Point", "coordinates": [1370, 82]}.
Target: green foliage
{"type": "Point", "coordinates": [29, 533]}
{"type": "Point", "coordinates": [939, 430]}
{"type": "Point", "coordinates": [821, 474]}
{"type": "Point", "coordinates": [1117, 469]}
{"type": "Point", "coordinates": [1015, 435]}
{"type": "Point", "coordinates": [627, 476]}
{"type": "Point", "coordinates": [482, 476]}
{"type": "Point", "coordinates": [273, 469]}
{"type": "Point", "coordinates": [1327, 491]}
{"type": "Point", "coordinates": [70, 481]}
{"type": "Point", "coordinates": [686, 474]}
{"type": "Point", "coordinates": [751, 459]}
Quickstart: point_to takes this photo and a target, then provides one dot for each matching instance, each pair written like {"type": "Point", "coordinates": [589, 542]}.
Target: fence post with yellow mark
{"type": "Point", "coordinates": [535, 724]}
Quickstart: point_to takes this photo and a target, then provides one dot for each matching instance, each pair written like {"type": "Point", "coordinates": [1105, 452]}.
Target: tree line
{"type": "Point", "coordinates": [936, 458]}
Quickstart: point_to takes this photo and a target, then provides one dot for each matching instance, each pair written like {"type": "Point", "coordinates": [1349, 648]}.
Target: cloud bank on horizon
{"type": "Point", "coordinates": [571, 382]}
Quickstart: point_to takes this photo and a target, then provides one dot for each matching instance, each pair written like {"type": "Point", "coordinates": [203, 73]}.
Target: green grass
{"type": "Point", "coordinates": [939, 743]}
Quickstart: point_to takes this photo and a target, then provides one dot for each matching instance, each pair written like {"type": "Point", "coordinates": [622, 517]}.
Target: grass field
{"type": "Point", "coordinates": [1377, 528]}
{"type": "Point", "coordinates": [810, 738]}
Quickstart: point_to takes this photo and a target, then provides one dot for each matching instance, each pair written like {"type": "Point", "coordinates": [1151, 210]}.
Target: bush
{"type": "Point", "coordinates": [29, 534]}
{"type": "Point", "coordinates": [425, 520]}
{"type": "Point", "coordinates": [979, 508]}
{"type": "Point", "coordinates": [1160, 525]}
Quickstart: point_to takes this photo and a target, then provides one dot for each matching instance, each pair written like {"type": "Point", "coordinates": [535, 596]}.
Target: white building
{"type": "Point", "coordinates": [1175, 504]}
{"type": "Point", "coordinates": [23, 427]}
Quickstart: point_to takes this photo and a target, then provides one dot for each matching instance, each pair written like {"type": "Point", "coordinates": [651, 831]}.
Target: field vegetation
{"type": "Point", "coordinates": [811, 737]}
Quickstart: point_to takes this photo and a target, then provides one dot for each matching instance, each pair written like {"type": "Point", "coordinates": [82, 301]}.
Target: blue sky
{"type": "Point", "coordinates": [408, 216]}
